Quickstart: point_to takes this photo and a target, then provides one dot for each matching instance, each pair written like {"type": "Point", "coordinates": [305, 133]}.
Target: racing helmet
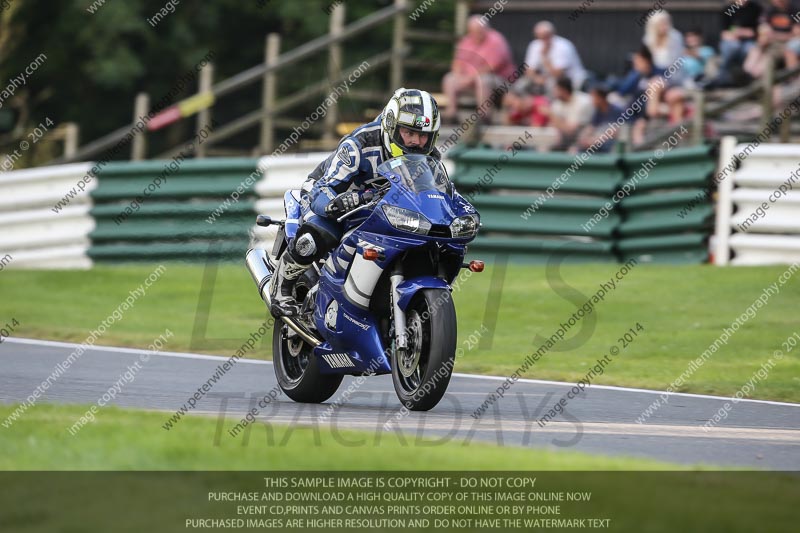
{"type": "Point", "coordinates": [415, 110]}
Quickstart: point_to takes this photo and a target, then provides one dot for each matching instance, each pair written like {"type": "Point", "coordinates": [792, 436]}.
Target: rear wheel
{"type": "Point", "coordinates": [422, 372]}
{"type": "Point", "coordinates": [297, 368]}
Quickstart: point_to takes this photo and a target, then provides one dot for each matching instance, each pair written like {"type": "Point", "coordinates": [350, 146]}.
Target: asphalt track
{"type": "Point", "coordinates": [601, 420]}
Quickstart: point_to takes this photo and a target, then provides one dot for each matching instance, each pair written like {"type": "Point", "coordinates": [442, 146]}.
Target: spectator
{"type": "Point", "coordinates": [633, 87]}
{"type": "Point", "coordinates": [663, 40]}
{"type": "Point", "coordinates": [760, 56]}
{"type": "Point", "coordinates": [766, 50]}
{"type": "Point", "coordinates": [549, 57]}
{"type": "Point", "coordinates": [570, 111]}
{"type": "Point", "coordinates": [786, 29]}
{"type": "Point", "coordinates": [698, 58]}
{"type": "Point", "coordinates": [604, 114]}
{"type": "Point", "coordinates": [740, 20]}
{"type": "Point", "coordinates": [482, 62]}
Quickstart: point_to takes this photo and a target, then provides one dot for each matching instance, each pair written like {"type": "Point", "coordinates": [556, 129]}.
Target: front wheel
{"type": "Point", "coordinates": [297, 369]}
{"type": "Point", "coordinates": [422, 372]}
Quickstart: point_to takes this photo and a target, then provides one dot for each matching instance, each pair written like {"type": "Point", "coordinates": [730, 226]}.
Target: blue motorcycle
{"type": "Point", "coordinates": [381, 301]}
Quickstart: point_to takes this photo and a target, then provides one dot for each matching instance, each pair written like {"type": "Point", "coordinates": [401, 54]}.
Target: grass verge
{"type": "Point", "coordinates": [127, 439]}
{"type": "Point", "coordinates": [164, 499]}
{"type": "Point", "coordinates": [682, 310]}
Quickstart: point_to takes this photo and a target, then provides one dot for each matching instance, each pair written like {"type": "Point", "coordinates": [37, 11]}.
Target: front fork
{"type": "Point", "coordinates": [401, 341]}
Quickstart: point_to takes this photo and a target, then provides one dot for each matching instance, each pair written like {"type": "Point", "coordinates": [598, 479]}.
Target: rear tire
{"type": "Point", "coordinates": [297, 368]}
{"type": "Point", "coordinates": [421, 375]}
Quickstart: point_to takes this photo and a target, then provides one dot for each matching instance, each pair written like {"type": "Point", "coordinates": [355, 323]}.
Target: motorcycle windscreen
{"type": "Point", "coordinates": [418, 174]}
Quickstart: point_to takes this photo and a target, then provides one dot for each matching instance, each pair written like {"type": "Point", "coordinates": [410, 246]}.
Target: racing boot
{"type": "Point", "coordinates": [282, 285]}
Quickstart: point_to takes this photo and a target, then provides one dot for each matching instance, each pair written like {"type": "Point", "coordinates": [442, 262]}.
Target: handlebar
{"type": "Point", "coordinates": [374, 198]}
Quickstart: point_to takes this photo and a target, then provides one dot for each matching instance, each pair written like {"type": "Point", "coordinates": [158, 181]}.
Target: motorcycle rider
{"type": "Point", "coordinates": [409, 124]}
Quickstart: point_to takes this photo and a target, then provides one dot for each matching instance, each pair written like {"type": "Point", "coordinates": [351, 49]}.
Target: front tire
{"type": "Point", "coordinates": [297, 368]}
{"type": "Point", "coordinates": [421, 374]}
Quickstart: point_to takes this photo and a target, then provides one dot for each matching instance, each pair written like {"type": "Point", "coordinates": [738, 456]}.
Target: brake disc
{"type": "Point", "coordinates": [409, 360]}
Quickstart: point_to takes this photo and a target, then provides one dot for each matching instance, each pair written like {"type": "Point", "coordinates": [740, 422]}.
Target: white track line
{"type": "Point", "coordinates": [630, 389]}
{"type": "Point", "coordinates": [114, 349]}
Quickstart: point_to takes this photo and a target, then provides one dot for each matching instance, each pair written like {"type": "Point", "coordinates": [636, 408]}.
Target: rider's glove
{"type": "Point", "coordinates": [343, 203]}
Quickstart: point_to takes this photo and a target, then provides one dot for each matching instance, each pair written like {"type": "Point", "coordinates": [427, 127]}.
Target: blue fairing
{"type": "Point", "coordinates": [410, 287]}
{"type": "Point", "coordinates": [345, 313]}
{"type": "Point", "coordinates": [291, 201]}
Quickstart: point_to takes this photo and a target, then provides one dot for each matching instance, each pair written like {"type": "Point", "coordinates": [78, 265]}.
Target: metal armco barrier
{"type": "Point", "coordinates": [758, 215]}
{"type": "Point", "coordinates": [35, 235]}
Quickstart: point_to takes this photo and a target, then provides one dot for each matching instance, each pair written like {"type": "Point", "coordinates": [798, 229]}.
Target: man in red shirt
{"type": "Point", "coordinates": [481, 62]}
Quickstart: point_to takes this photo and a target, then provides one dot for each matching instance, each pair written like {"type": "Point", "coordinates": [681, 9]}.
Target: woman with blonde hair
{"type": "Point", "coordinates": [663, 40]}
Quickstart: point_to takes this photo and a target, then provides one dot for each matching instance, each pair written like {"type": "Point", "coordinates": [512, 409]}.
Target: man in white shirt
{"type": "Point", "coordinates": [549, 57]}
{"type": "Point", "coordinates": [570, 111]}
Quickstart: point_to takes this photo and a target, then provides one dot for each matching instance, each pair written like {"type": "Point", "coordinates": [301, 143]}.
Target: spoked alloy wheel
{"type": "Point", "coordinates": [422, 372]}
{"type": "Point", "coordinates": [297, 369]}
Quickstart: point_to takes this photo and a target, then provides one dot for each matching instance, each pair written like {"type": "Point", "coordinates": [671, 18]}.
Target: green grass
{"type": "Point", "coordinates": [682, 309]}
{"type": "Point", "coordinates": [79, 498]}
{"type": "Point", "coordinates": [127, 439]}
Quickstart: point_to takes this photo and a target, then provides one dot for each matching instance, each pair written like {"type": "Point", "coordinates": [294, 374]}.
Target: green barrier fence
{"type": "Point", "coordinates": [147, 211]}
{"type": "Point", "coordinates": [579, 216]}
{"type": "Point", "coordinates": [656, 224]}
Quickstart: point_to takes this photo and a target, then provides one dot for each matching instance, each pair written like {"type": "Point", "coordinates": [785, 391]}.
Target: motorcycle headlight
{"type": "Point", "coordinates": [466, 226]}
{"type": "Point", "coordinates": [406, 220]}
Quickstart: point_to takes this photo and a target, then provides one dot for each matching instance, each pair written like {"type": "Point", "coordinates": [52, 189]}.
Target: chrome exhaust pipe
{"type": "Point", "coordinates": [262, 269]}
